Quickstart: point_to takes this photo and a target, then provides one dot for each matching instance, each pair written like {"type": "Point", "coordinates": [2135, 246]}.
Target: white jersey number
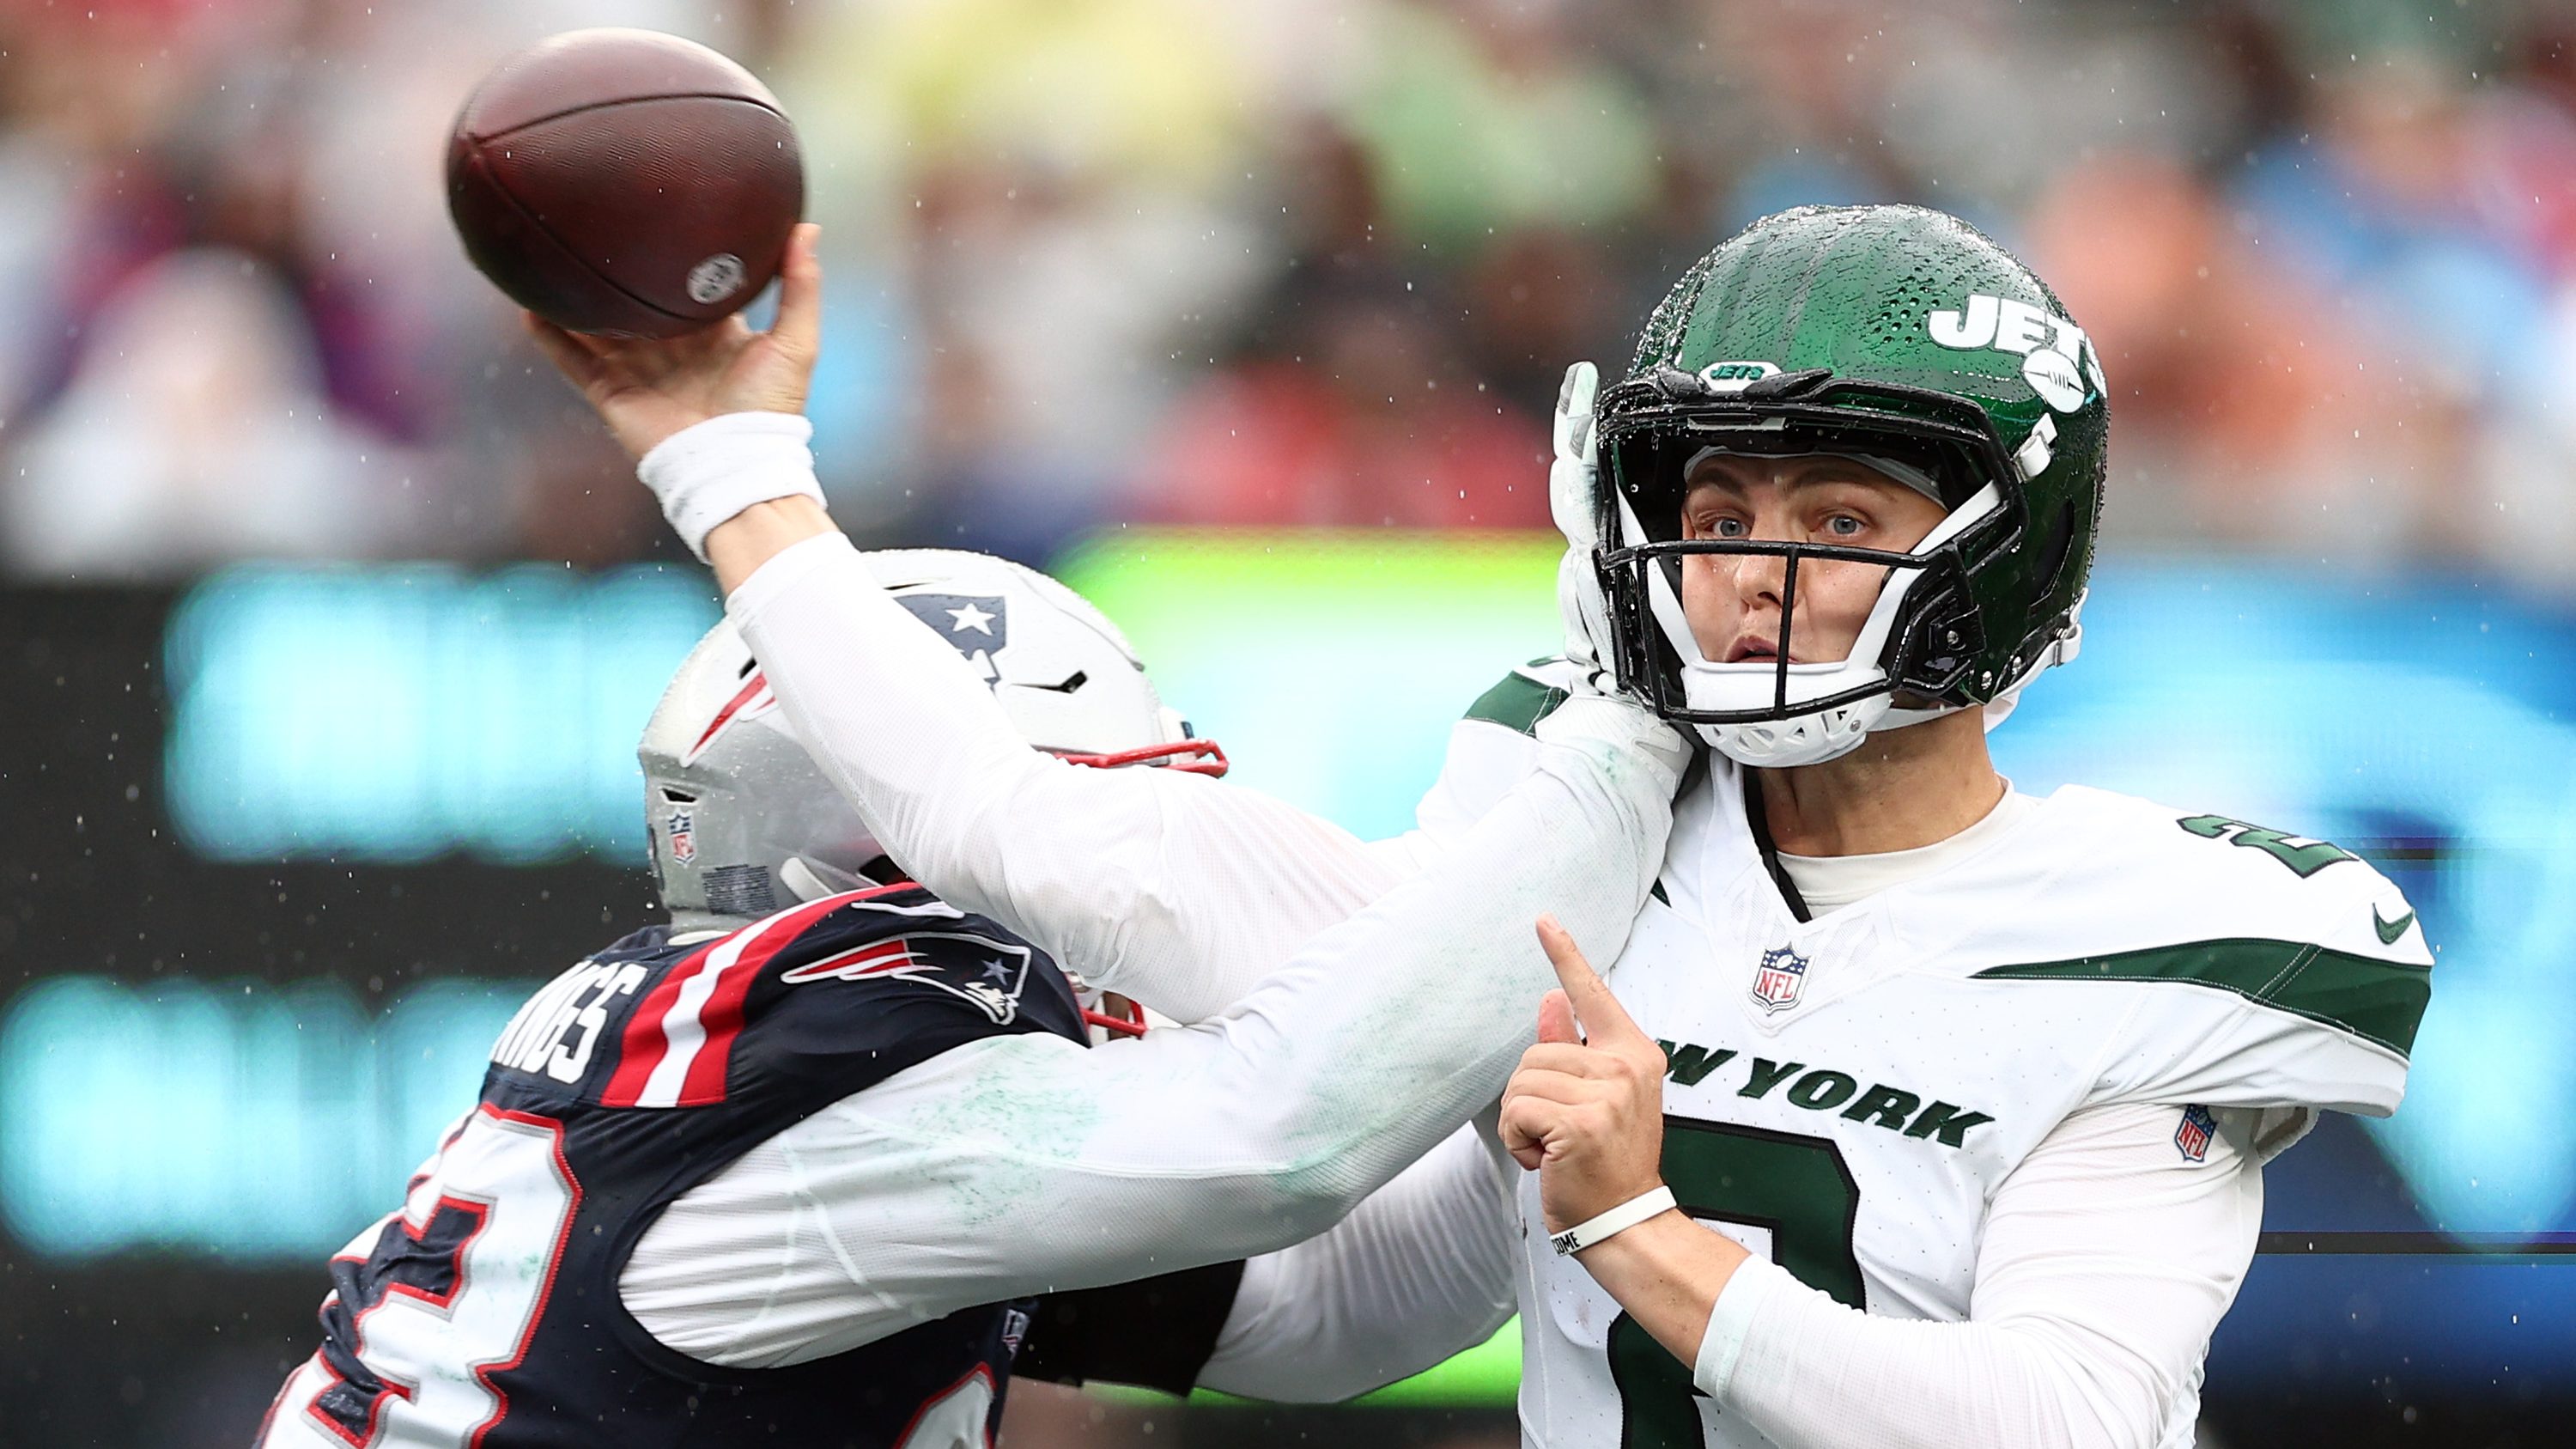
{"type": "Point", "coordinates": [475, 1250]}
{"type": "Point", "coordinates": [1796, 1187]}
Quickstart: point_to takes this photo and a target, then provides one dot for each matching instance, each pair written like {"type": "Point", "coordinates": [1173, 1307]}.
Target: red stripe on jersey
{"type": "Point", "coordinates": [641, 1045]}
{"type": "Point", "coordinates": [646, 1040]}
{"type": "Point", "coordinates": [877, 959]}
{"type": "Point", "coordinates": [721, 1016]}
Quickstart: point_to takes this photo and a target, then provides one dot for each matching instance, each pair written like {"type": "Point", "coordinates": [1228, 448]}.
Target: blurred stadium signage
{"type": "Point", "coordinates": [392, 714]}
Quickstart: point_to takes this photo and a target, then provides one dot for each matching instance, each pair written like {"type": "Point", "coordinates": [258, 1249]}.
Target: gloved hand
{"type": "Point", "coordinates": [1573, 485]}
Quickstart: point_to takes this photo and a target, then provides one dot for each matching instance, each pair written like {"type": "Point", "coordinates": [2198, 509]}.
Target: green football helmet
{"type": "Point", "coordinates": [1892, 334]}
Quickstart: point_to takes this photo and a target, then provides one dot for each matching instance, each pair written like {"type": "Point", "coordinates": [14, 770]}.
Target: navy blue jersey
{"type": "Point", "coordinates": [487, 1313]}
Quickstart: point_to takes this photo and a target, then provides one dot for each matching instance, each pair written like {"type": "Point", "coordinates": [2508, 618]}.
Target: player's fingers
{"type": "Point", "coordinates": [799, 329]}
{"type": "Point", "coordinates": [1556, 1020]}
{"type": "Point", "coordinates": [1513, 1130]}
{"type": "Point", "coordinates": [1564, 1088]}
{"type": "Point", "coordinates": [1523, 1127]}
{"type": "Point", "coordinates": [1604, 1020]}
{"type": "Point", "coordinates": [1574, 1061]}
{"type": "Point", "coordinates": [591, 343]}
{"type": "Point", "coordinates": [1574, 401]}
{"type": "Point", "coordinates": [562, 349]}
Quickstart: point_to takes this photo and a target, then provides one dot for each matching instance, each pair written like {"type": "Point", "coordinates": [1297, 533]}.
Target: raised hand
{"type": "Point", "coordinates": [646, 390]}
{"type": "Point", "coordinates": [1573, 497]}
{"type": "Point", "coordinates": [1585, 1110]}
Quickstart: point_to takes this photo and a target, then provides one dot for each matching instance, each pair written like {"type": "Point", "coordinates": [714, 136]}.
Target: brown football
{"type": "Point", "coordinates": [625, 182]}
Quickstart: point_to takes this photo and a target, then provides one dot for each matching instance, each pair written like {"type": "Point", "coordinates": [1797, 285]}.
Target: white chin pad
{"type": "Point", "coordinates": [1806, 739]}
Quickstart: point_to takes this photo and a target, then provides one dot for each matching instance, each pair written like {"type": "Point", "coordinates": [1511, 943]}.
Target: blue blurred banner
{"type": "Point", "coordinates": [393, 714]}
{"type": "Point", "coordinates": [251, 1122]}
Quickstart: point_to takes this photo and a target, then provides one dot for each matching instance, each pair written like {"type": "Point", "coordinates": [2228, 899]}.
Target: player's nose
{"type": "Point", "coordinates": [1760, 580]}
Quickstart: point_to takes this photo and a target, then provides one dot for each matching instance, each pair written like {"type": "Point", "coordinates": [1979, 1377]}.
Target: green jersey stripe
{"type": "Point", "coordinates": [1518, 703]}
{"type": "Point", "coordinates": [2374, 999]}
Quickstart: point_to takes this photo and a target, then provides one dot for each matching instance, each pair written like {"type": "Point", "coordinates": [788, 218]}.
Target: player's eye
{"type": "Point", "coordinates": [1844, 525]}
{"type": "Point", "coordinates": [1726, 528]}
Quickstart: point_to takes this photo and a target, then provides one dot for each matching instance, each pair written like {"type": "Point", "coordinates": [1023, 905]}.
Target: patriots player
{"type": "Point", "coordinates": [1935, 1113]}
{"type": "Point", "coordinates": [792, 1167]}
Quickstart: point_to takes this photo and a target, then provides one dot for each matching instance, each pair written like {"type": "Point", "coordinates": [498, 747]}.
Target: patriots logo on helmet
{"type": "Point", "coordinates": [990, 977]}
{"type": "Point", "coordinates": [2191, 1139]}
{"type": "Point", "coordinates": [1777, 979]}
{"type": "Point", "coordinates": [975, 625]}
{"type": "Point", "coordinates": [753, 700]}
{"type": "Point", "coordinates": [684, 837]}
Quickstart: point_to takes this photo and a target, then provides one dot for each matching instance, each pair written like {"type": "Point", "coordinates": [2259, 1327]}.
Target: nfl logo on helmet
{"type": "Point", "coordinates": [1776, 981]}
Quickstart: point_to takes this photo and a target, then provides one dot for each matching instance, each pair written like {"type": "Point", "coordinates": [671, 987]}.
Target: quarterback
{"type": "Point", "coordinates": [1935, 1113]}
{"type": "Point", "coordinates": [1928, 1113]}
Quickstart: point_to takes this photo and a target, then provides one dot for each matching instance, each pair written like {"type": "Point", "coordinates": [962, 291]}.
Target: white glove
{"type": "Point", "coordinates": [1573, 483]}
{"type": "Point", "coordinates": [708, 472]}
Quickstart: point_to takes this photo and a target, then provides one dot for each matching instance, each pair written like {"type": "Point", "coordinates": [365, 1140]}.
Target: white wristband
{"type": "Point", "coordinates": [708, 472]}
{"type": "Point", "coordinates": [1618, 1220]}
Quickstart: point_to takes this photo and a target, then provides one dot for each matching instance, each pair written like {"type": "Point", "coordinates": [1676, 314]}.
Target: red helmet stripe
{"type": "Point", "coordinates": [745, 705]}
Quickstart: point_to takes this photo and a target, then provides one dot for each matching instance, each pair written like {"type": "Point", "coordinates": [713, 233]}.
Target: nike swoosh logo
{"type": "Point", "coordinates": [2389, 931]}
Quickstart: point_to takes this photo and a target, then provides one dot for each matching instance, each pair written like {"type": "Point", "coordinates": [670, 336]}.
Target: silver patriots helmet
{"type": "Point", "coordinates": [743, 822]}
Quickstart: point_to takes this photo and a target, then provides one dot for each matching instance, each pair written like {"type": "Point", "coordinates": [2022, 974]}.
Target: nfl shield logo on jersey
{"type": "Point", "coordinates": [1776, 982]}
{"type": "Point", "coordinates": [2192, 1137]}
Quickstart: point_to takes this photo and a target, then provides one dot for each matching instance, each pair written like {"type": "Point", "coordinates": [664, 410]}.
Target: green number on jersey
{"type": "Point", "coordinates": [2306, 859]}
{"type": "Point", "coordinates": [1797, 1187]}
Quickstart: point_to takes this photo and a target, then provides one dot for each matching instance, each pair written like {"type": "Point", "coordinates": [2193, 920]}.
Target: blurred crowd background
{"type": "Point", "coordinates": [286, 844]}
{"type": "Point", "coordinates": [1286, 261]}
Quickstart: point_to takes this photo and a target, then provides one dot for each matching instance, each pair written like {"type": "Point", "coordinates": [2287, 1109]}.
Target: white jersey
{"type": "Point", "coordinates": [1847, 1094]}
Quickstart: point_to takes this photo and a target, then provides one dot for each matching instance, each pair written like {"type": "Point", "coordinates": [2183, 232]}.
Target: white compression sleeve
{"type": "Point", "coordinates": [1177, 890]}
{"type": "Point", "coordinates": [1026, 1164]}
{"type": "Point", "coordinates": [2107, 1261]}
{"type": "Point", "coordinates": [1419, 1271]}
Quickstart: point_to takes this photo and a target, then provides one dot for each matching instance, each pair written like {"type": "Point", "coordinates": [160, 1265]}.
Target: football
{"type": "Point", "coordinates": [624, 182]}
